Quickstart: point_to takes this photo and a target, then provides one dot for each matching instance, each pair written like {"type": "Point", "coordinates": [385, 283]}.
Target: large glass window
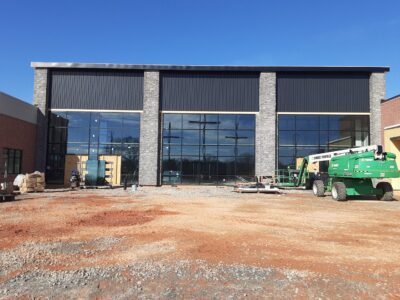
{"type": "Point", "coordinates": [207, 148]}
{"type": "Point", "coordinates": [302, 135]}
{"type": "Point", "coordinates": [93, 134]}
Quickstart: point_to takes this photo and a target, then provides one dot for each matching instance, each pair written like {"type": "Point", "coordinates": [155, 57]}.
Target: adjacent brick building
{"type": "Point", "coordinates": [17, 136]}
{"type": "Point", "coordinates": [390, 109]}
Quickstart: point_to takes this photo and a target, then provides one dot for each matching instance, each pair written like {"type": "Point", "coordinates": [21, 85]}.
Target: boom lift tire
{"type": "Point", "coordinates": [339, 191]}
{"type": "Point", "coordinates": [318, 188]}
{"type": "Point", "coordinates": [387, 191]}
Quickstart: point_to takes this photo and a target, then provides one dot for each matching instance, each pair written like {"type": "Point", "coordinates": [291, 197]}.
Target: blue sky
{"type": "Point", "coordinates": [215, 32]}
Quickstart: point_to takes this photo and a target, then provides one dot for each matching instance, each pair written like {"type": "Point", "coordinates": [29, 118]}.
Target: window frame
{"type": "Point", "coordinates": [211, 146]}
{"type": "Point", "coordinates": [325, 128]}
{"type": "Point", "coordinates": [123, 127]}
{"type": "Point", "coordinates": [11, 167]}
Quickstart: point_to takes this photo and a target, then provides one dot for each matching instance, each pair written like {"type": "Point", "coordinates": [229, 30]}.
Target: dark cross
{"type": "Point", "coordinates": [169, 137]}
{"type": "Point", "coordinates": [204, 123]}
{"type": "Point", "coordinates": [236, 137]}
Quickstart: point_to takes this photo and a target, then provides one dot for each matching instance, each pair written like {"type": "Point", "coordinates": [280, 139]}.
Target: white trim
{"type": "Point", "coordinates": [327, 156]}
{"type": "Point", "coordinates": [95, 110]}
{"type": "Point", "coordinates": [210, 112]}
{"type": "Point", "coordinates": [324, 113]}
{"type": "Point", "coordinates": [391, 126]}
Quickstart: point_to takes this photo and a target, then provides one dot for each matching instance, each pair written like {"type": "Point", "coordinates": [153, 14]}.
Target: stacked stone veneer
{"type": "Point", "coordinates": [377, 92]}
{"type": "Point", "coordinates": [40, 101]}
{"type": "Point", "coordinates": [149, 130]}
{"type": "Point", "coordinates": [265, 126]}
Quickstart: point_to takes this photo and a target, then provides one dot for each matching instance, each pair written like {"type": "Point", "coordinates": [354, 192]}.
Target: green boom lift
{"type": "Point", "coordinates": [351, 172]}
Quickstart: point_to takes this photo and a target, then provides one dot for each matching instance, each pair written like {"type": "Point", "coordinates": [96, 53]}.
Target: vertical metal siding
{"type": "Point", "coordinates": [209, 91]}
{"type": "Point", "coordinates": [323, 92]}
{"type": "Point", "coordinates": [97, 89]}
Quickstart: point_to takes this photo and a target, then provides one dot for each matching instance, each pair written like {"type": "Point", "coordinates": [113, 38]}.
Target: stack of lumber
{"type": "Point", "coordinates": [34, 182]}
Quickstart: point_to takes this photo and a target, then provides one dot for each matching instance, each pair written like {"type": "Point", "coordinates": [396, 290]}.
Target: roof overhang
{"type": "Point", "coordinates": [74, 65]}
{"type": "Point", "coordinates": [17, 109]}
{"type": "Point", "coordinates": [392, 127]}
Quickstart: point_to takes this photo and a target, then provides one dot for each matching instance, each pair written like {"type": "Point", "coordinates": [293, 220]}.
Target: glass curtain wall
{"type": "Point", "coordinates": [302, 135]}
{"type": "Point", "coordinates": [93, 134]}
{"type": "Point", "coordinates": [207, 148]}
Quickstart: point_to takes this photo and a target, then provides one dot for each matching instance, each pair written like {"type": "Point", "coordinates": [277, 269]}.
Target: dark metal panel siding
{"type": "Point", "coordinates": [90, 89]}
{"type": "Point", "coordinates": [323, 92]}
{"type": "Point", "coordinates": [210, 91]}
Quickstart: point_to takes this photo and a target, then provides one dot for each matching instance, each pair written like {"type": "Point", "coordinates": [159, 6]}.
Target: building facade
{"type": "Point", "coordinates": [390, 109]}
{"type": "Point", "coordinates": [17, 137]}
{"type": "Point", "coordinates": [163, 124]}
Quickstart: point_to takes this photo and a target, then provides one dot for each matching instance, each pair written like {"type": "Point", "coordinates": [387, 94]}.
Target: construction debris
{"type": "Point", "coordinates": [255, 188]}
{"type": "Point", "coordinates": [34, 182]}
{"type": "Point", "coordinates": [6, 192]}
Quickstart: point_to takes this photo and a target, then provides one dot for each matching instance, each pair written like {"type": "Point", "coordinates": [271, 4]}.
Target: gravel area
{"type": "Point", "coordinates": [180, 279]}
{"type": "Point", "coordinates": [197, 243]}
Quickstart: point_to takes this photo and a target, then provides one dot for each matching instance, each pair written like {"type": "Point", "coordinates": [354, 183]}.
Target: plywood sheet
{"type": "Point", "coordinates": [114, 166]}
{"type": "Point", "coordinates": [314, 167]}
{"type": "Point", "coordinates": [73, 162]}
{"type": "Point", "coordinates": [77, 162]}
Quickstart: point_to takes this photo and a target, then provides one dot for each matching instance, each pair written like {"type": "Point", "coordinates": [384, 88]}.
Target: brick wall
{"type": "Point", "coordinates": [21, 135]}
{"type": "Point", "coordinates": [390, 111]}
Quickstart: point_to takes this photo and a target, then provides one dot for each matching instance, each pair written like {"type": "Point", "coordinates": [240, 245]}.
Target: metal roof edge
{"type": "Point", "coordinates": [17, 108]}
{"type": "Point", "coordinates": [391, 98]}
{"type": "Point", "coordinates": [161, 67]}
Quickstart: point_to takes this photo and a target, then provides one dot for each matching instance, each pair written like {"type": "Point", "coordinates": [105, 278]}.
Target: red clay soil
{"type": "Point", "coordinates": [121, 218]}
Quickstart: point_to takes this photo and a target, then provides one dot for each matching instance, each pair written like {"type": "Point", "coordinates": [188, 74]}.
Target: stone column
{"type": "Point", "coordinates": [377, 91]}
{"type": "Point", "coordinates": [265, 126]}
{"type": "Point", "coordinates": [149, 130]}
{"type": "Point", "coordinates": [40, 94]}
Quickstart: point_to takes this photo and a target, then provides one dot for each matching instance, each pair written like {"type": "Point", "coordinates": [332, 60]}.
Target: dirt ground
{"type": "Point", "coordinates": [198, 242]}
